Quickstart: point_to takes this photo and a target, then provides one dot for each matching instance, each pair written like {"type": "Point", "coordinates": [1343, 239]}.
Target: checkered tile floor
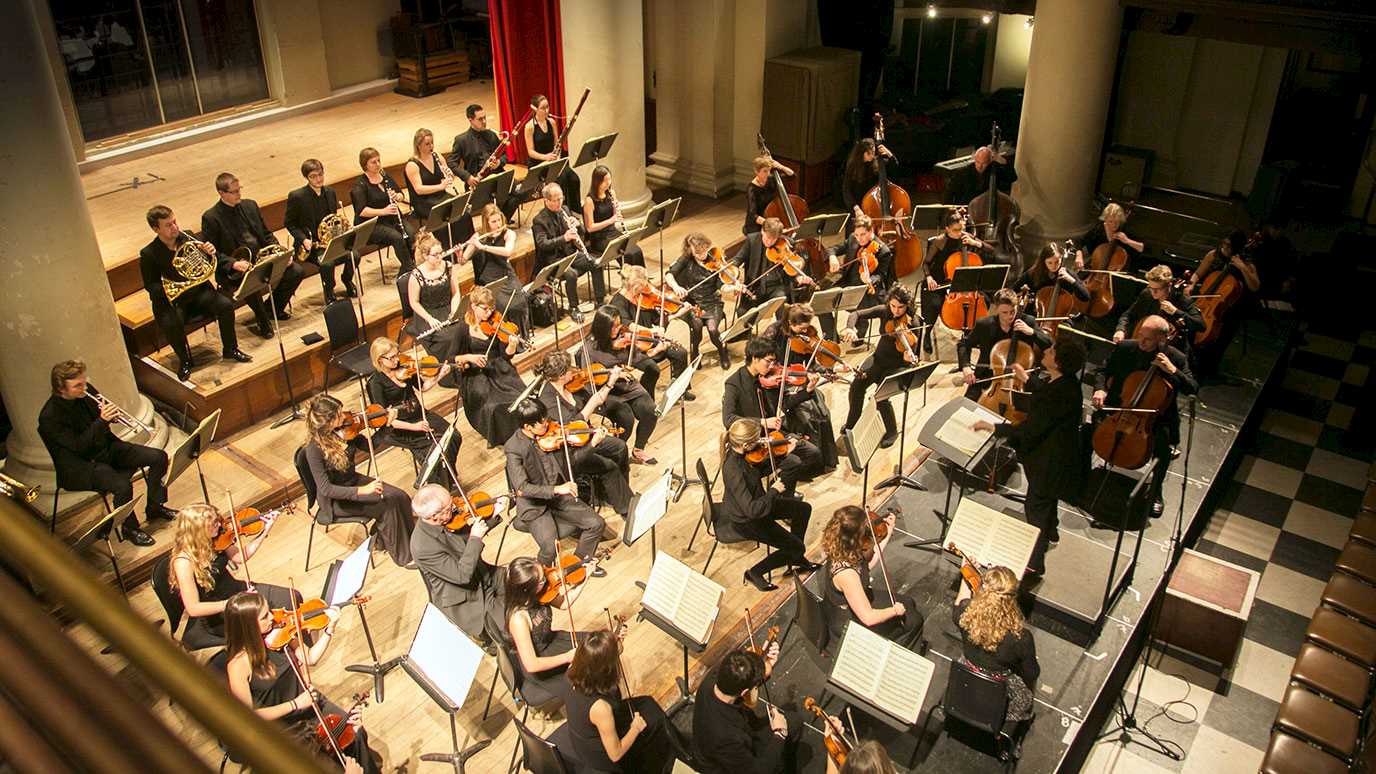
{"type": "Point", "coordinates": [1285, 514]}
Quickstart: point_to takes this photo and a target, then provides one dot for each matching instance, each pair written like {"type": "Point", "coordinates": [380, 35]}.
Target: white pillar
{"type": "Point", "coordinates": [55, 301]}
{"type": "Point", "coordinates": [1070, 74]}
{"type": "Point", "coordinates": [604, 50]}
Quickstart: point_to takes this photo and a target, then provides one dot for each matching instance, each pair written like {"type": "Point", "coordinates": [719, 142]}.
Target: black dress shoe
{"type": "Point", "coordinates": [575, 315]}
{"type": "Point", "coordinates": [350, 290]}
{"type": "Point", "coordinates": [688, 395]}
{"type": "Point", "coordinates": [1157, 508]}
{"type": "Point", "coordinates": [263, 331]}
{"type": "Point", "coordinates": [329, 297]}
{"type": "Point", "coordinates": [888, 440]}
{"type": "Point", "coordinates": [183, 372]}
{"type": "Point", "coordinates": [238, 355]}
{"type": "Point", "coordinates": [131, 532]}
{"type": "Point", "coordinates": [805, 567]}
{"type": "Point", "coordinates": [161, 512]}
{"type": "Point", "coordinates": [758, 581]}
{"type": "Point", "coordinates": [724, 360]}
{"type": "Point", "coordinates": [283, 314]}
{"type": "Point", "coordinates": [1053, 538]}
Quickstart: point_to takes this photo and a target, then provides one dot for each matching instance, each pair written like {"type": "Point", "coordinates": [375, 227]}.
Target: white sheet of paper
{"type": "Point", "coordinates": [446, 655]}
{"type": "Point", "coordinates": [685, 598]}
{"type": "Point", "coordinates": [653, 504]}
{"type": "Point", "coordinates": [990, 537]}
{"type": "Point", "coordinates": [353, 570]}
{"type": "Point", "coordinates": [958, 433]}
{"type": "Point", "coordinates": [894, 678]}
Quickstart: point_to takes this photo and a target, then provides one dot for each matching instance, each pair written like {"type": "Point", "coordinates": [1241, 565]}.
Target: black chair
{"type": "Point", "coordinates": [171, 601]}
{"type": "Point", "coordinates": [980, 701]}
{"type": "Point", "coordinates": [303, 472]}
{"type": "Point", "coordinates": [407, 311]}
{"type": "Point", "coordinates": [544, 756]}
{"type": "Point", "coordinates": [811, 619]}
{"type": "Point", "coordinates": [348, 351]}
{"type": "Point", "coordinates": [719, 529]}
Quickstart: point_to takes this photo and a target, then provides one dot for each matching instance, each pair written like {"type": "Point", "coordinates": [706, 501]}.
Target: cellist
{"type": "Point", "coordinates": [1231, 257]}
{"type": "Point", "coordinates": [847, 258]}
{"type": "Point", "coordinates": [1151, 347]}
{"type": "Point", "coordinates": [1163, 299]}
{"type": "Point", "coordinates": [1004, 320]}
{"type": "Point", "coordinates": [939, 248]}
{"type": "Point", "coordinates": [1110, 229]}
{"type": "Point", "coordinates": [1050, 270]}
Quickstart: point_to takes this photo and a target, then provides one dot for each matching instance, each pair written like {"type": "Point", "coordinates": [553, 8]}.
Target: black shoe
{"type": "Point", "coordinates": [132, 532]}
{"type": "Point", "coordinates": [238, 355]}
{"type": "Point", "coordinates": [350, 290]}
{"type": "Point", "coordinates": [263, 330]}
{"type": "Point", "coordinates": [688, 395]}
{"type": "Point", "coordinates": [1157, 508]}
{"type": "Point", "coordinates": [183, 372]}
{"type": "Point", "coordinates": [161, 512]}
{"type": "Point", "coordinates": [724, 359]}
{"type": "Point", "coordinates": [890, 438]}
{"type": "Point", "coordinates": [329, 297]}
{"type": "Point", "coordinates": [757, 580]}
{"type": "Point", "coordinates": [1054, 538]}
{"type": "Point", "coordinates": [283, 314]}
{"type": "Point", "coordinates": [806, 566]}
{"type": "Point", "coordinates": [575, 315]}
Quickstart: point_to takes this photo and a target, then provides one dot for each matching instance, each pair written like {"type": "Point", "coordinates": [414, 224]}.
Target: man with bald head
{"type": "Point", "coordinates": [973, 179]}
{"type": "Point", "coordinates": [451, 562]}
{"type": "Point", "coordinates": [1151, 347]}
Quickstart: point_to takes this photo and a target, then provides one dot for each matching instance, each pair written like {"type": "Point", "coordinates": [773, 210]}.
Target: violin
{"type": "Point", "coordinates": [662, 300]}
{"type": "Point", "coordinates": [595, 374]}
{"type": "Point", "coordinates": [500, 329]}
{"type": "Point", "coordinates": [781, 253]}
{"type": "Point", "coordinates": [970, 570]}
{"type": "Point", "coordinates": [374, 417]}
{"type": "Point", "coordinates": [960, 310]}
{"type": "Point", "coordinates": [730, 273]}
{"type": "Point", "coordinates": [904, 337]}
{"type": "Point", "coordinates": [824, 353]}
{"type": "Point", "coordinates": [998, 396]}
{"type": "Point", "coordinates": [770, 637]}
{"type": "Point", "coordinates": [1124, 439]}
{"type": "Point", "coordinates": [478, 506]}
{"type": "Point", "coordinates": [773, 445]}
{"type": "Point", "coordinates": [576, 433]}
{"type": "Point", "coordinates": [569, 573]}
{"type": "Point", "coordinates": [251, 522]}
{"type": "Point", "coordinates": [643, 339]}
{"type": "Point", "coordinates": [313, 614]}
{"type": "Point", "coordinates": [795, 376]}
{"type": "Point", "coordinates": [879, 524]}
{"type": "Point", "coordinates": [428, 366]}
{"type": "Point", "coordinates": [837, 745]}
{"type": "Point", "coordinates": [338, 726]}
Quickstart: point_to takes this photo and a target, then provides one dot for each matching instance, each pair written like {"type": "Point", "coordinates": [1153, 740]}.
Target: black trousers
{"type": "Point", "coordinates": [609, 463]}
{"type": "Point", "coordinates": [788, 543]}
{"type": "Point", "coordinates": [327, 269]}
{"type": "Point", "coordinates": [931, 312]}
{"type": "Point", "coordinates": [711, 320]}
{"type": "Point", "coordinates": [580, 266]}
{"type": "Point", "coordinates": [113, 468]}
{"type": "Point", "coordinates": [420, 446]}
{"type": "Point", "coordinates": [291, 278]}
{"type": "Point", "coordinates": [650, 370]}
{"type": "Point", "coordinates": [1041, 511]}
{"type": "Point", "coordinates": [638, 411]}
{"type": "Point", "coordinates": [870, 374]}
{"type": "Point", "coordinates": [804, 463]}
{"type": "Point", "coordinates": [544, 528]}
{"type": "Point", "coordinates": [389, 235]}
{"type": "Point", "coordinates": [198, 301]}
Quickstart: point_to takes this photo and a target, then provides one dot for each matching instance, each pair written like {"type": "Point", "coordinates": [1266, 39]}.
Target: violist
{"type": "Point", "coordinates": [846, 259]}
{"type": "Point", "coordinates": [756, 511]}
{"type": "Point", "coordinates": [852, 553]}
{"type": "Point", "coordinates": [611, 732]}
{"type": "Point", "coordinates": [541, 640]}
{"type": "Point", "coordinates": [410, 425]}
{"type": "Point", "coordinates": [700, 286]}
{"type": "Point", "coordinates": [889, 357]}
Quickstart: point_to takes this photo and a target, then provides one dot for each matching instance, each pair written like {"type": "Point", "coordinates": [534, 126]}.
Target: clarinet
{"type": "Point", "coordinates": [393, 195]}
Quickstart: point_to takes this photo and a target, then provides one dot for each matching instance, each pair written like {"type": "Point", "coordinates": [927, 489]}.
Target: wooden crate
{"type": "Point", "coordinates": [443, 68]}
{"type": "Point", "coordinates": [813, 182]}
{"type": "Point", "coordinates": [1207, 604]}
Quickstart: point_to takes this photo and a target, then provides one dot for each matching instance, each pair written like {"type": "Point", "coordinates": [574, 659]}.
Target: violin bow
{"type": "Point", "coordinates": [444, 458]}
{"type": "Point", "coordinates": [372, 455]}
{"type": "Point", "coordinates": [750, 630]}
{"type": "Point", "coordinates": [238, 537]}
{"type": "Point", "coordinates": [303, 670]}
{"type": "Point", "coordinates": [488, 351]}
{"type": "Point", "coordinates": [620, 665]}
{"type": "Point", "coordinates": [879, 552]}
{"type": "Point", "coordinates": [559, 565]}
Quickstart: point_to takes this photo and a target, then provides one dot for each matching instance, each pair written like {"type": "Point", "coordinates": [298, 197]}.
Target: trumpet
{"type": "Point", "coordinates": [11, 487]}
{"type": "Point", "coordinates": [123, 417]}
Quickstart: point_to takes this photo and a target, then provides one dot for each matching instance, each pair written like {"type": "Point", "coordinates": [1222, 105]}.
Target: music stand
{"type": "Point", "coordinates": [190, 450]}
{"type": "Point", "coordinates": [536, 177]}
{"type": "Point", "coordinates": [348, 242]}
{"type": "Point", "coordinates": [530, 389]}
{"type": "Point", "coordinates": [443, 661]}
{"type": "Point", "coordinates": [928, 217]}
{"type": "Point", "coordinates": [962, 458]}
{"type": "Point", "coordinates": [436, 455]}
{"type": "Point", "coordinates": [819, 226]}
{"type": "Point", "coordinates": [101, 531]}
{"type": "Point", "coordinates": [685, 640]}
{"type": "Point", "coordinates": [751, 318]}
{"type": "Point", "coordinates": [674, 394]}
{"type": "Point", "coordinates": [595, 149]}
{"type": "Point", "coordinates": [615, 252]}
{"type": "Point", "coordinates": [444, 214]}
{"type": "Point", "coordinates": [905, 382]}
{"type": "Point", "coordinates": [651, 506]}
{"type": "Point", "coordinates": [493, 189]}
{"type": "Point", "coordinates": [834, 299]}
{"type": "Point", "coordinates": [343, 581]}
{"type": "Point", "coordinates": [660, 217]}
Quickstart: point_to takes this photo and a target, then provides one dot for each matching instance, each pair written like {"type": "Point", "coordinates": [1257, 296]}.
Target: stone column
{"type": "Point", "coordinates": [55, 302]}
{"type": "Point", "coordinates": [1070, 73]}
{"type": "Point", "coordinates": [603, 45]}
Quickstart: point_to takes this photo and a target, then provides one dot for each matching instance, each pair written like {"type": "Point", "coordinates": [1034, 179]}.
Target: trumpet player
{"type": "Point", "coordinates": [602, 218]}
{"type": "Point", "coordinates": [75, 427]}
{"type": "Point", "coordinates": [472, 150]}
{"type": "Point", "coordinates": [430, 181]}
{"type": "Point", "coordinates": [376, 195]}
{"type": "Point", "coordinates": [557, 236]}
{"type": "Point", "coordinates": [307, 206]}
{"type": "Point", "coordinates": [235, 222]}
{"type": "Point", "coordinates": [155, 264]}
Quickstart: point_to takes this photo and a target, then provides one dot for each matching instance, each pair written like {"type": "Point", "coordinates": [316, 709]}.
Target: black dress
{"type": "Point", "coordinates": [1014, 660]}
{"type": "Point", "coordinates": [598, 240]}
{"type": "Point", "coordinates": [757, 199]}
{"type": "Point", "coordinates": [512, 300]}
{"type": "Point", "coordinates": [540, 687]}
{"type": "Point", "coordinates": [209, 630]}
{"type": "Point", "coordinates": [650, 753]}
{"type": "Point", "coordinates": [901, 630]}
{"type": "Point", "coordinates": [436, 294]}
{"type": "Point", "coordinates": [421, 204]}
{"type": "Point", "coordinates": [542, 140]}
{"type": "Point", "coordinates": [488, 392]}
{"type": "Point", "coordinates": [337, 491]}
{"type": "Point", "coordinates": [387, 393]}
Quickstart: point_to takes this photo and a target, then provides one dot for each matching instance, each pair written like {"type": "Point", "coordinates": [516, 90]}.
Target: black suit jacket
{"type": "Point", "coordinates": [1048, 441]}
{"type": "Point", "coordinates": [155, 262]}
{"type": "Point", "coordinates": [751, 257]}
{"type": "Point", "coordinates": [74, 435]}
{"type": "Point", "coordinates": [548, 230]}
{"type": "Point", "coordinates": [1187, 315]}
{"type": "Point", "coordinates": [1126, 358]}
{"type": "Point", "coordinates": [850, 275]}
{"type": "Point", "coordinates": [532, 476]}
{"type": "Point", "coordinates": [744, 496]}
{"type": "Point", "coordinates": [455, 574]}
{"type": "Point", "coordinates": [223, 228]}
{"type": "Point", "coordinates": [741, 397]}
{"type": "Point", "coordinates": [987, 333]}
{"type": "Point", "coordinates": [301, 220]}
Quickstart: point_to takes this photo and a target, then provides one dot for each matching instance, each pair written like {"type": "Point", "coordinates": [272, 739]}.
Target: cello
{"type": "Point", "coordinates": [960, 310]}
{"type": "Point", "coordinates": [996, 214]}
{"type": "Point", "coordinates": [792, 210]}
{"type": "Point", "coordinates": [1053, 302]}
{"type": "Point", "coordinates": [998, 396]}
{"type": "Point", "coordinates": [887, 203]}
{"type": "Point", "coordinates": [1107, 258]}
{"type": "Point", "coordinates": [1124, 438]}
{"type": "Point", "coordinates": [1222, 289]}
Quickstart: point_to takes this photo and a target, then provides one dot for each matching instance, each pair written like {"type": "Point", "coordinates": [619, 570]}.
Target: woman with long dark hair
{"type": "Point", "coordinates": [629, 404]}
{"type": "Point", "coordinates": [540, 134]}
{"type": "Point", "coordinates": [543, 647]}
{"type": "Point", "coordinates": [602, 219]}
{"type": "Point", "coordinates": [612, 732]}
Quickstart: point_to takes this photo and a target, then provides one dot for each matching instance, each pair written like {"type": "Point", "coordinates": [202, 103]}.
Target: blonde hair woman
{"type": "Point", "coordinates": [489, 382]}
{"type": "Point", "coordinates": [995, 638]}
{"type": "Point", "coordinates": [1110, 229]}
{"type": "Point", "coordinates": [407, 426]}
{"type": "Point", "coordinates": [434, 294]}
{"type": "Point", "coordinates": [491, 256]}
{"type": "Point", "coordinates": [428, 179]}
{"type": "Point", "coordinates": [634, 282]}
{"type": "Point", "coordinates": [201, 577]}
{"type": "Point", "coordinates": [342, 491]}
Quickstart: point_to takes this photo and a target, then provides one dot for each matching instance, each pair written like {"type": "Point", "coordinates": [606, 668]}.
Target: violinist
{"type": "Point", "coordinates": [756, 511]}
{"type": "Point", "coordinates": [267, 680]}
{"type": "Point", "coordinates": [374, 195]}
{"type": "Point", "coordinates": [342, 491]}
{"type": "Point", "coordinates": [390, 386]}
{"type": "Point", "coordinates": [891, 355]}
{"type": "Point", "coordinates": [200, 576]}
{"type": "Point", "coordinates": [557, 235]}
{"type": "Point", "coordinates": [488, 382]}
{"type": "Point", "coordinates": [630, 403]}
{"type": "Point", "coordinates": [611, 732]}
{"type": "Point", "coordinates": [635, 287]}
{"type": "Point", "coordinates": [811, 417]}
{"type": "Point", "coordinates": [764, 278]}
{"type": "Point", "coordinates": [1050, 270]}
{"type": "Point", "coordinates": [698, 281]}
{"type": "Point", "coordinates": [543, 646]}
{"type": "Point", "coordinates": [851, 556]}
{"type": "Point", "coordinates": [995, 639]}
{"type": "Point", "coordinates": [546, 493]}
{"type": "Point", "coordinates": [1151, 347]}
{"type": "Point", "coordinates": [307, 206]}
{"type": "Point", "coordinates": [491, 256]}
{"type": "Point", "coordinates": [935, 285]}
{"type": "Point", "coordinates": [848, 259]}
{"type": "Point", "coordinates": [1109, 229]}
{"type": "Point", "coordinates": [1005, 319]}
{"type": "Point", "coordinates": [1048, 441]}
{"type": "Point", "coordinates": [868, 757]}
{"type": "Point", "coordinates": [1162, 298]}
{"type": "Point", "coordinates": [759, 192]}
{"type": "Point", "coordinates": [433, 290]}
{"type": "Point", "coordinates": [752, 392]}
{"type": "Point", "coordinates": [451, 561]}
{"type": "Point", "coordinates": [729, 737]}
{"type": "Point", "coordinates": [602, 218]}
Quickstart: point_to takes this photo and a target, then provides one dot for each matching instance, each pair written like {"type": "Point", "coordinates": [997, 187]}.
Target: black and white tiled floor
{"type": "Point", "coordinates": [1285, 514]}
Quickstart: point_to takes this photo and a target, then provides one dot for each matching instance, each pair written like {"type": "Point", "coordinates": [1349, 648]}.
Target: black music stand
{"type": "Point", "coordinates": [536, 177]}
{"type": "Point", "coordinates": [190, 450]}
{"type": "Point", "coordinates": [443, 661]}
{"type": "Point", "coordinates": [448, 212]}
{"type": "Point", "coordinates": [595, 149]}
{"type": "Point", "coordinates": [904, 382]}
{"type": "Point", "coordinates": [348, 242]}
{"type": "Point", "coordinates": [819, 226]}
{"type": "Point", "coordinates": [674, 394]}
{"type": "Point", "coordinates": [101, 531]}
{"type": "Point", "coordinates": [928, 217]}
{"type": "Point", "coordinates": [647, 509]}
{"type": "Point", "coordinates": [493, 189]}
{"type": "Point", "coordinates": [615, 251]}
{"type": "Point", "coordinates": [343, 581]}
{"type": "Point", "coordinates": [263, 278]}
{"type": "Point", "coordinates": [660, 217]}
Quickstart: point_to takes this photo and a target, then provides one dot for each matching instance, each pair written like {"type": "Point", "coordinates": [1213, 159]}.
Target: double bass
{"type": "Point", "coordinates": [792, 210]}
{"type": "Point", "coordinates": [997, 216]}
{"type": "Point", "coordinates": [960, 310]}
{"type": "Point", "coordinates": [998, 396]}
{"type": "Point", "coordinates": [888, 206]}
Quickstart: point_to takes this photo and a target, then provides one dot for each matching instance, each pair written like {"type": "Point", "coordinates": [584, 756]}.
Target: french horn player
{"type": "Point", "coordinates": [313, 219]}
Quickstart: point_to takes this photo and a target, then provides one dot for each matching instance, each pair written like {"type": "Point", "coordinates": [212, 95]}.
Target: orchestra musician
{"type": "Point", "coordinates": [995, 639]}
{"type": "Point", "coordinates": [88, 457]}
{"type": "Point", "coordinates": [939, 248]}
{"type": "Point", "coordinates": [374, 195]}
{"type": "Point", "coordinates": [751, 393]}
{"type": "Point", "coordinates": [812, 417]}
{"type": "Point", "coordinates": [868, 757]}
{"type": "Point", "coordinates": [342, 491]}
{"type": "Point", "coordinates": [861, 173]}
{"type": "Point", "coordinates": [491, 256]}
{"type": "Point", "coordinates": [729, 737]}
{"type": "Point", "coordinates": [605, 458]}
{"type": "Point", "coordinates": [888, 358]}
{"type": "Point", "coordinates": [973, 179]}
{"type": "Point", "coordinates": [268, 680]}
{"type": "Point", "coordinates": [557, 236]}
{"type": "Point", "coordinates": [851, 556]}
{"type": "Point", "coordinates": [451, 562]}
{"type": "Point", "coordinates": [429, 181]}
{"type": "Point", "coordinates": [635, 285]}
{"type": "Point", "coordinates": [1242, 265]}
{"type": "Point", "coordinates": [1048, 441]}
{"type": "Point", "coordinates": [753, 256]}
{"type": "Point", "coordinates": [700, 286]}
{"type": "Point", "coordinates": [306, 207]}
{"type": "Point", "coordinates": [473, 148]}
{"type": "Point", "coordinates": [433, 289]}
{"type": "Point", "coordinates": [1109, 229]}
{"type": "Point", "coordinates": [234, 222]}
{"type": "Point", "coordinates": [409, 425]}
{"type": "Point", "coordinates": [200, 576]}
{"type": "Point", "coordinates": [1161, 297]}
{"type": "Point", "coordinates": [1233, 249]}
{"type": "Point", "coordinates": [1004, 320]}
{"type": "Point", "coordinates": [614, 733]}
{"type": "Point", "coordinates": [756, 511]}
{"type": "Point", "coordinates": [540, 133]}
{"type": "Point", "coordinates": [155, 265]}
{"type": "Point", "coordinates": [1050, 270]}
{"type": "Point", "coordinates": [759, 192]}
{"type": "Point", "coordinates": [543, 647]}
{"type": "Point", "coordinates": [845, 258]}
{"type": "Point", "coordinates": [602, 218]}
{"type": "Point", "coordinates": [488, 382]}
{"type": "Point", "coordinates": [1151, 347]}
{"type": "Point", "coordinates": [630, 403]}
{"type": "Point", "coordinates": [545, 492]}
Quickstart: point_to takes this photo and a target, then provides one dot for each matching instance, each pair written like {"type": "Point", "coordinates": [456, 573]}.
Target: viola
{"type": "Point", "coordinates": [313, 614]}
{"type": "Point", "coordinates": [960, 310]}
{"type": "Point", "coordinates": [643, 339]}
{"type": "Point", "coordinates": [879, 525]}
{"type": "Point", "coordinates": [662, 300]}
{"type": "Point", "coordinates": [428, 366]}
{"type": "Point", "coordinates": [478, 506]}
{"type": "Point", "coordinates": [775, 444]}
{"type": "Point", "coordinates": [338, 727]}
{"type": "Point", "coordinates": [837, 746]}
{"type": "Point", "coordinates": [823, 353]}
{"type": "Point", "coordinates": [970, 570]}
{"type": "Point", "coordinates": [1125, 439]}
{"type": "Point", "coordinates": [502, 330]}
{"type": "Point", "coordinates": [904, 337]}
{"type": "Point", "coordinates": [569, 573]}
{"type": "Point", "coordinates": [374, 417]}
{"type": "Point", "coordinates": [595, 374]}
{"type": "Point", "coordinates": [998, 396]}
{"type": "Point", "coordinates": [888, 206]}
{"type": "Point", "coordinates": [868, 258]}
{"type": "Point", "coordinates": [251, 522]}
{"type": "Point", "coordinates": [576, 433]}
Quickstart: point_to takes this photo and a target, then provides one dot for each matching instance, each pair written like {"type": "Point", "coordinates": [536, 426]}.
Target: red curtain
{"type": "Point", "coordinates": [527, 59]}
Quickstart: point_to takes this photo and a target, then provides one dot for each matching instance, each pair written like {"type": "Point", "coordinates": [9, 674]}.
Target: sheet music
{"type": "Point", "coordinates": [894, 678]}
{"type": "Point", "coordinates": [652, 506]}
{"type": "Point", "coordinates": [683, 597]}
{"type": "Point", "coordinates": [990, 537]}
{"type": "Point", "coordinates": [958, 433]}
{"type": "Point", "coordinates": [445, 655]}
{"type": "Point", "coordinates": [353, 570]}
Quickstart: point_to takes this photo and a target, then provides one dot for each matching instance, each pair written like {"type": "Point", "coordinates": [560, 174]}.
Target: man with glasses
{"type": "Point", "coordinates": [473, 148]}
{"type": "Point", "coordinates": [306, 207]}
